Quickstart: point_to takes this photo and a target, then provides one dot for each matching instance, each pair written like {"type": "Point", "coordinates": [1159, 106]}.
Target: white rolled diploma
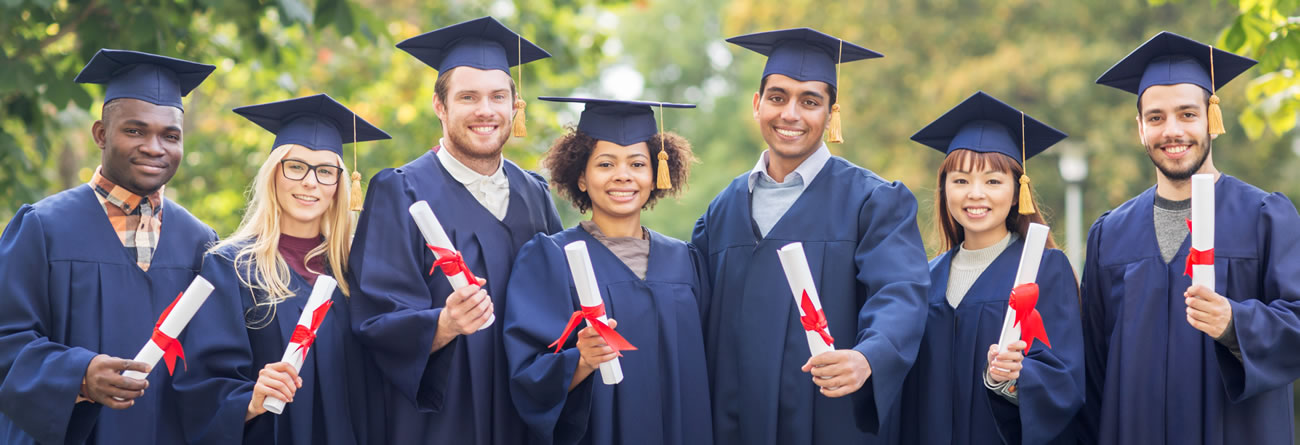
{"type": "Point", "coordinates": [320, 293]}
{"type": "Point", "coordinates": [1203, 226]}
{"type": "Point", "coordinates": [433, 234]}
{"type": "Point", "coordinates": [584, 280]}
{"type": "Point", "coordinates": [1030, 258]}
{"type": "Point", "coordinates": [799, 276]}
{"type": "Point", "coordinates": [175, 322]}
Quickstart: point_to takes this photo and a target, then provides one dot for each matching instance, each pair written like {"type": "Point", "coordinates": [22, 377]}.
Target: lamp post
{"type": "Point", "coordinates": [1074, 169]}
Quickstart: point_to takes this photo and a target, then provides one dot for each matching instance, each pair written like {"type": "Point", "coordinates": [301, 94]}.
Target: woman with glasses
{"type": "Point", "coordinates": [296, 227]}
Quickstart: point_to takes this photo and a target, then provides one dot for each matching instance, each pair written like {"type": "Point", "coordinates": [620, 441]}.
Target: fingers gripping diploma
{"type": "Point", "coordinates": [593, 351]}
{"type": "Point", "coordinates": [466, 310]}
{"type": "Point", "coordinates": [1006, 365]}
{"type": "Point", "coordinates": [1207, 311]}
{"type": "Point", "coordinates": [839, 372]}
{"type": "Point", "coordinates": [277, 380]}
{"type": "Point", "coordinates": [105, 384]}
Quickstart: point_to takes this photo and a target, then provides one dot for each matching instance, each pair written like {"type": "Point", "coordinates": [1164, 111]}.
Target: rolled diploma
{"type": "Point", "coordinates": [1203, 226]}
{"type": "Point", "coordinates": [799, 276]}
{"type": "Point", "coordinates": [1030, 258]}
{"type": "Point", "coordinates": [433, 234]}
{"type": "Point", "coordinates": [320, 293]}
{"type": "Point", "coordinates": [584, 279]}
{"type": "Point", "coordinates": [175, 322]}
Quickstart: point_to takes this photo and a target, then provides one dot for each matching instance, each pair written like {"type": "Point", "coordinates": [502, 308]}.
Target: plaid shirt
{"type": "Point", "coordinates": [136, 219]}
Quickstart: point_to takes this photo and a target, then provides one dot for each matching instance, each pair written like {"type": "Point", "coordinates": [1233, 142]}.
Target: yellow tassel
{"type": "Point", "coordinates": [1215, 115]}
{"type": "Point", "coordinates": [357, 197]}
{"type": "Point", "coordinates": [835, 134]}
{"type": "Point", "coordinates": [1026, 198]}
{"type": "Point", "coordinates": [520, 129]}
{"type": "Point", "coordinates": [665, 179]}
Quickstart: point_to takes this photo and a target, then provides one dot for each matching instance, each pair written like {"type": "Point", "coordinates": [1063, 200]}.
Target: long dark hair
{"type": "Point", "coordinates": [950, 232]}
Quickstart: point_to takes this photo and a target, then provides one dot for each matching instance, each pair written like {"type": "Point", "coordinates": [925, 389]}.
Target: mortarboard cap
{"type": "Point", "coordinates": [159, 80]}
{"type": "Point", "coordinates": [985, 124]}
{"type": "Point", "coordinates": [623, 122]}
{"type": "Point", "coordinates": [317, 122]}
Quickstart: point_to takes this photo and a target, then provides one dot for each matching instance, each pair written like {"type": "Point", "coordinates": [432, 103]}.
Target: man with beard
{"type": "Point", "coordinates": [864, 252]}
{"type": "Point", "coordinates": [1169, 362]}
{"type": "Point", "coordinates": [445, 379]}
{"type": "Point", "coordinates": [85, 274]}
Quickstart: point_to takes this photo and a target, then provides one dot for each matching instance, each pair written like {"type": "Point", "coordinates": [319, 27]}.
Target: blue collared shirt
{"type": "Point", "coordinates": [771, 199]}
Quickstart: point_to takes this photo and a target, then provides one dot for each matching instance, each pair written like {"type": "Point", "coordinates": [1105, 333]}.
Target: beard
{"type": "Point", "coordinates": [461, 139]}
{"type": "Point", "coordinates": [1171, 170]}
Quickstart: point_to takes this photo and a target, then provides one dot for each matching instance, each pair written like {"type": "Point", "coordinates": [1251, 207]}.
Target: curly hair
{"type": "Point", "coordinates": [568, 156]}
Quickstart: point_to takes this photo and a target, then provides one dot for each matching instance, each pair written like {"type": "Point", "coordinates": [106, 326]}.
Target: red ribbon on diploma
{"type": "Point", "coordinates": [592, 314]}
{"type": "Point", "coordinates": [304, 336]}
{"type": "Point", "coordinates": [1197, 257]}
{"type": "Point", "coordinates": [452, 263]}
{"type": "Point", "coordinates": [814, 319]}
{"type": "Point", "coordinates": [170, 346]}
{"type": "Point", "coordinates": [1023, 299]}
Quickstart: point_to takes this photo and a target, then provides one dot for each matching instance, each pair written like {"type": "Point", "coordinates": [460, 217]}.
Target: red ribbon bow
{"type": "Point", "coordinates": [814, 319]}
{"type": "Point", "coordinates": [1197, 257]}
{"type": "Point", "coordinates": [304, 336]}
{"type": "Point", "coordinates": [170, 346]}
{"type": "Point", "coordinates": [452, 263]}
{"type": "Point", "coordinates": [593, 314]}
{"type": "Point", "coordinates": [1023, 299]}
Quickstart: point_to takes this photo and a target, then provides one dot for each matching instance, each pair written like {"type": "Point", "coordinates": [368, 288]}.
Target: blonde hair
{"type": "Point", "coordinates": [258, 238]}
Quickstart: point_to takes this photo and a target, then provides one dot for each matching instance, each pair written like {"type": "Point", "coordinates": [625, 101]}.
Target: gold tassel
{"type": "Point", "coordinates": [665, 179]}
{"type": "Point", "coordinates": [520, 129]}
{"type": "Point", "coordinates": [1026, 198]}
{"type": "Point", "coordinates": [835, 134]}
{"type": "Point", "coordinates": [1215, 115]}
{"type": "Point", "coordinates": [357, 196]}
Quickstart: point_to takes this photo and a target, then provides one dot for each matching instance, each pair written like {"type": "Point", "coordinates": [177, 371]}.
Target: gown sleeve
{"type": "Point", "coordinates": [541, 301]}
{"type": "Point", "coordinates": [40, 378]}
{"type": "Point", "coordinates": [892, 268]}
{"type": "Point", "coordinates": [1268, 323]}
{"type": "Point", "coordinates": [1096, 335]}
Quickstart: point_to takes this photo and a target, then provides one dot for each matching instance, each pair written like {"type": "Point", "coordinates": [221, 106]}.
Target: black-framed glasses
{"type": "Point", "coordinates": [295, 170]}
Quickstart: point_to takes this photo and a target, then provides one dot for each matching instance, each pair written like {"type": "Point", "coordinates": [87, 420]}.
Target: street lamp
{"type": "Point", "coordinates": [1074, 169]}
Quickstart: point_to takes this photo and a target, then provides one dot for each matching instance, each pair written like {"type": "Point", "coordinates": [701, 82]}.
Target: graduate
{"type": "Point", "coordinates": [961, 389]}
{"type": "Point", "coordinates": [652, 287]}
{"type": "Point", "coordinates": [444, 380]}
{"type": "Point", "coordinates": [297, 227]}
{"type": "Point", "coordinates": [864, 249]}
{"type": "Point", "coordinates": [1169, 362]}
{"type": "Point", "coordinates": [85, 273]}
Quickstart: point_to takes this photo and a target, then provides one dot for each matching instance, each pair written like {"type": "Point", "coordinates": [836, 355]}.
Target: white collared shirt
{"type": "Point", "coordinates": [492, 191]}
{"type": "Point", "coordinates": [771, 199]}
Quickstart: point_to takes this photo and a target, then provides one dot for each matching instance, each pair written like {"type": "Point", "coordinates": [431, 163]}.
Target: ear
{"type": "Point", "coordinates": [99, 131]}
{"type": "Point", "coordinates": [582, 183]}
{"type": "Point", "coordinates": [439, 108]}
{"type": "Point", "coordinates": [1142, 135]}
{"type": "Point", "coordinates": [757, 98]}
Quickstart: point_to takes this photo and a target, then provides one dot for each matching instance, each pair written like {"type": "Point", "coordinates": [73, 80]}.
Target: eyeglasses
{"type": "Point", "coordinates": [295, 170]}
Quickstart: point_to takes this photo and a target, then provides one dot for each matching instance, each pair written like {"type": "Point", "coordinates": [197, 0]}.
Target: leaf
{"type": "Point", "coordinates": [1235, 38]}
{"type": "Point", "coordinates": [1252, 123]}
{"type": "Point", "coordinates": [295, 11]}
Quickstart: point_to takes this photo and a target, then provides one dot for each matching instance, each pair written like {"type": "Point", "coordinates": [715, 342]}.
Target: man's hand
{"type": "Point", "coordinates": [105, 384]}
{"type": "Point", "coordinates": [838, 373]}
{"type": "Point", "coordinates": [464, 312]}
{"type": "Point", "coordinates": [1207, 311]}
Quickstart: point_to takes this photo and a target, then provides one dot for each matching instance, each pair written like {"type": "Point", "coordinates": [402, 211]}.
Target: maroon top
{"type": "Point", "coordinates": [295, 249]}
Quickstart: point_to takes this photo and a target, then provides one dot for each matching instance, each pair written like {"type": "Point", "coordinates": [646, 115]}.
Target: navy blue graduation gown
{"type": "Point", "coordinates": [458, 394]}
{"type": "Point", "coordinates": [69, 291]}
{"type": "Point", "coordinates": [337, 401]}
{"type": "Point", "coordinates": [860, 235]}
{"type": "Point", "coordinates": [944, 399]}
{"type": "Point", "coordinates": [1152, 377]}
{"type": "Point", "coordinates": [664, 395]}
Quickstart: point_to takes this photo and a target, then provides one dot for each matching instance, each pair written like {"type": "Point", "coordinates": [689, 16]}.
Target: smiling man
{"type": "Point", "coordinates": [84, 274]}
{"type": "Point", "coordinates": [1169, 362]}
{"type": "Point", "coordinates": [445, 380]}
{"type": "Point", "coordinates": [861, 239]}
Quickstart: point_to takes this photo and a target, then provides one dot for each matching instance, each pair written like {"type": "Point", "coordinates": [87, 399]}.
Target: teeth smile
{"type": "Point", "coordinates": [977, 211]}
{"type": "Point", "coordinates": [1176, 149]}
{"type": "Point", "coordinates": [789, 132]}
{"type": "Point", "coordinates": [622, 194]}
{"type": "Point", "coordinates": [307, 198]}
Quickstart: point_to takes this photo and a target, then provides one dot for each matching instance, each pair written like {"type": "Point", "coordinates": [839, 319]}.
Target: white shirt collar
{"type": "Point", "coordinates": [466, 175]}
{"type": "Point", "coordinates": [806, 170]}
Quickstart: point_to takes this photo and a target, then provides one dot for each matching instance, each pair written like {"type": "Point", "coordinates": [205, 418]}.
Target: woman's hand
{"type": "Point", "coordinates": [1006, 365]}
{"type": "Point", "coordinates": [277, 380]}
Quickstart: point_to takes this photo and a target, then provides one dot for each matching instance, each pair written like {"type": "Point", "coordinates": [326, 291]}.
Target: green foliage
{"type": "Point", "coordinates": [1269, 31]}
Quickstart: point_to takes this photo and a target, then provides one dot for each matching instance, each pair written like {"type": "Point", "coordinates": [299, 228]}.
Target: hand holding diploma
{"type": "Point", "coordinates": [1006, 365]}
{"type": "Point", "coordinates": [592, 310]}
{"type": "Point", "coordinates": [1207, 311]}
{"type": "Point", "coordinates": [163, 345]}
{"type": "Point", "coordinates": [276, 381]}
{"type": "Point", "coordinates": [475, 305]}
{"type": "Point", "coordinates": [304, 335]}
{"type": "Point", "coordinates": [1022, 321]}
{"type": "Point", "coordinates": [105, 384]}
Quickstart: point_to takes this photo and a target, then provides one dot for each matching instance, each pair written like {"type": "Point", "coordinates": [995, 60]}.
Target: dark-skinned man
{"type": "Point", "coordinates": [85, 273]}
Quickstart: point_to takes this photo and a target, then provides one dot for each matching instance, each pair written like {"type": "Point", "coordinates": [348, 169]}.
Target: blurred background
{"type": "Point", "coordinates": [1039, 56]}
